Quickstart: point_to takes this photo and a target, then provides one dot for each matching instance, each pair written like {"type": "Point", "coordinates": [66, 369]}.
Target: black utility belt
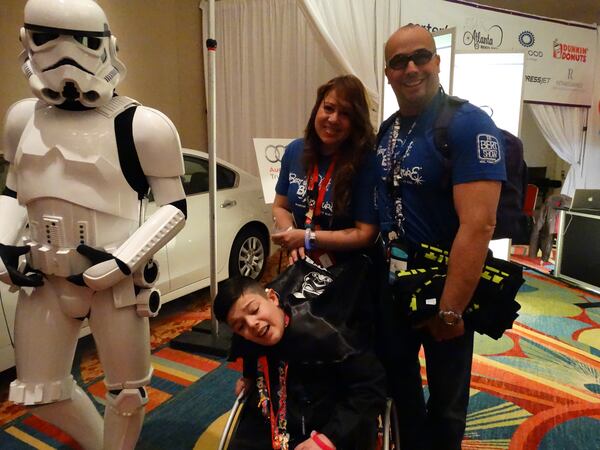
{"type": "Point", "coordinates": [492, 308]}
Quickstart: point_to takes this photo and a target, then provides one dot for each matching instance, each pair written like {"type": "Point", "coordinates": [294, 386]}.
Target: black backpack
{"type": "Point", "coordinates": [511, 222]}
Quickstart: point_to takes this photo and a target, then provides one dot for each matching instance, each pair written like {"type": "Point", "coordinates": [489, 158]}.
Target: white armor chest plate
{"type": "Point", "coordinates": [70, 180]}
{"type": "Point", "coordinates": [72, 156]}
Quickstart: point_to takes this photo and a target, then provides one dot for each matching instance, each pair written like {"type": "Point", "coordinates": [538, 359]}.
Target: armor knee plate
{"type": "Point", "coordinates": [127, 402]}
{"type": "Point", "coordinates": [132, 384]}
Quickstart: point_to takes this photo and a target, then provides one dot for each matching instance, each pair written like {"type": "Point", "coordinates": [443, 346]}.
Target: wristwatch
{"type": "Point", "coordinates": [450, 317]}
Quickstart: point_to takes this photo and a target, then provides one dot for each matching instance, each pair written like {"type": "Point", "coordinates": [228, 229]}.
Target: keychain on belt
{"type": "Point", "coordinates": [397, 257]}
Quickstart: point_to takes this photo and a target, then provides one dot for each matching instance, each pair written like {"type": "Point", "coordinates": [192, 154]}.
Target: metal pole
{"type": "Point", "coordinates": [583, 144]}
{"type": "Point", "coordinates": [203, 338]}
{"type": "Point", "coordinates": [211, 45]}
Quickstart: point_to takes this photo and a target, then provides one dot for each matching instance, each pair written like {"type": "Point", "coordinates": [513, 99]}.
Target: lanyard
{"type": "Point", "coordinates": [279, 436]}
{"type": "Point", "coordinates": [314, 207]}
{"type": "Point", "coordinates": [394, 179]}
{"type": "Point", "coordinates": [398, 156]}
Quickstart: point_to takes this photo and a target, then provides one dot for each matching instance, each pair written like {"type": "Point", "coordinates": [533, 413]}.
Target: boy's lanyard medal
{"type": "Point", "coordinates": [280, 438]}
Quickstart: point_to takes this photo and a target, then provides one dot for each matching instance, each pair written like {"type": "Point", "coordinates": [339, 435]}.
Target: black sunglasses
{"type": "Point", "coordinates": [420, 58]}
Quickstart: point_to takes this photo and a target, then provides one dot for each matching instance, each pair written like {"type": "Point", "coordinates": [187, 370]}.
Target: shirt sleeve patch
{"type": "Point", "coordinates": [488, 149]}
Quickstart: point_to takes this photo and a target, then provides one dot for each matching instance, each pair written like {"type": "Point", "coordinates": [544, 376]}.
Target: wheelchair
{"type": "Point", "coordinates": [387, 425]}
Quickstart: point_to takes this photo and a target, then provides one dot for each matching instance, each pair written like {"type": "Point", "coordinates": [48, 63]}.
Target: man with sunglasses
{"type": "Point", "coordinates": [418, 206]}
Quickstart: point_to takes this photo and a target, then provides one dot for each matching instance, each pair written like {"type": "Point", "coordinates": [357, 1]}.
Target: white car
{"type": "Point", "coordinates": [243, 244]}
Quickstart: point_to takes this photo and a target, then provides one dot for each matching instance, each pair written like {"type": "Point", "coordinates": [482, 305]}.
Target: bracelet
{"type": "Point", "coordinates": [307, 245]}
{"type": "Point", "coordinates": [315, 437]}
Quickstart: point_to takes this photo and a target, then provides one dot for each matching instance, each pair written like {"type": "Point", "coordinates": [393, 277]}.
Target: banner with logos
{"type": "Point", "coordinates": [591, 158]}
{"type": "Point", "coordinates": [268, 156]}
{"type": "Point", "coordinates": [559, 58]}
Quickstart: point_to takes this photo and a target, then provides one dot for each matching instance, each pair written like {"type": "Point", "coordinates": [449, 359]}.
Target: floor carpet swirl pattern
{"type": "Point", "coordinates": [538, 387]}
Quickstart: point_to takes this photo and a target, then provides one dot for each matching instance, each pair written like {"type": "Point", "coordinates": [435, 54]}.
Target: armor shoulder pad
{"type": "Point", "coordinates": [116, 106]}
{"type": "Point", "coordinates": [157, 143]}
{"type": "Point", "coordinates": [15, 121]}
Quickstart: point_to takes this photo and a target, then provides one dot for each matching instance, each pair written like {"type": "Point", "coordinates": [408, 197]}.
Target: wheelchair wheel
{"type": "Point", "coordinates": [232, 421]}
{"type": "Point", "coordinates": [388, 428]}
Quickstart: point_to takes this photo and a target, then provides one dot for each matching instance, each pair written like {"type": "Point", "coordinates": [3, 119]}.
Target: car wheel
{"type": "Point", "coordinates": [248, 254]}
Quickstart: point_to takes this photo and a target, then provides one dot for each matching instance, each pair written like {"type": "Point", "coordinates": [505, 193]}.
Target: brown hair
{"type": "Point", "coordinates": [353, 151]}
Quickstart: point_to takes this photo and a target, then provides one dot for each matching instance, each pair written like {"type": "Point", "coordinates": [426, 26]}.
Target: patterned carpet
{"type": "Point", "coordinates": [538, 387]}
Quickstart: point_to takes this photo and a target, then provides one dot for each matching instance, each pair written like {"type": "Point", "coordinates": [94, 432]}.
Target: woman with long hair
{"type": "Point", "coordinates": [324, 202]}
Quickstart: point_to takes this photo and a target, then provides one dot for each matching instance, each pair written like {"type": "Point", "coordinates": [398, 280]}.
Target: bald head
{"type": "Point", "coordinates": [414, 72]}
{"type": "Point", "coordinates": [407, 34]}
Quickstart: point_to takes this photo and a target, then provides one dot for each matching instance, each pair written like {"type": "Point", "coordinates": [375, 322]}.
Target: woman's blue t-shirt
{"type": "Point", "coordinates": [292, 183]}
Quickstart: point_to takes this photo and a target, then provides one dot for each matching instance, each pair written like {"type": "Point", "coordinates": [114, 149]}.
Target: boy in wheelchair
{"type": "Point", "coordinates": [320, 387]}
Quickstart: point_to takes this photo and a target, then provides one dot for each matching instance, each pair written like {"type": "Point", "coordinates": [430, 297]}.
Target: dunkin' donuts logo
{"type": "Point", "coordinates": [569, 52]}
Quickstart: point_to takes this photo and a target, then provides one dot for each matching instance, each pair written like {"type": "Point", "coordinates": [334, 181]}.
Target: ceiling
{"type": "Point", "coordinates": [586, 11]}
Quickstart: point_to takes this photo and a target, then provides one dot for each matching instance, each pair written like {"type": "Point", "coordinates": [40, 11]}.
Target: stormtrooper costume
{"type": "Point", "coordinates": [81, 160]}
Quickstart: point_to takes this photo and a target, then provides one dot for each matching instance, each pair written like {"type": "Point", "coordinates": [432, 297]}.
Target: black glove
{"type": "Point", "coordinates": [10, 257]}
{"type": "Point", "coordinates": [96, 257]}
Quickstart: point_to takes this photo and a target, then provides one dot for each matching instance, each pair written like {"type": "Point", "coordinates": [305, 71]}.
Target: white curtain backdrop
{"type": "Point", "coordinates": [591, 166]}
{"type": "Point", "coordinates": [563, 128]}
{"type": "Point", "coordinates": [273, 54]}
{"type": "Point", "coordinates": [269, 66]}
{"type": "Point", "coordinates": [353, 33]}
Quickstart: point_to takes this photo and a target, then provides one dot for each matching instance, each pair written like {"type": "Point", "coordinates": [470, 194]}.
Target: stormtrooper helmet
{"type": "Point", "coordinates": [70, 54]}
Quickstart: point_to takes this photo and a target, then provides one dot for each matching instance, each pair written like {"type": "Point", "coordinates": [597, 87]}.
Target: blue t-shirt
{"type": "Point", "coordinates": [292, 183]}
{"type": "Point", "coordinates": [427, 204]}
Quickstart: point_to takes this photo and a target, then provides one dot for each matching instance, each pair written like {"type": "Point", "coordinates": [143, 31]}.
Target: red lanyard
{"type": "Point", "coordinates": [279, 436]}
{"type": "Point", "coordinates": [314, 208]}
